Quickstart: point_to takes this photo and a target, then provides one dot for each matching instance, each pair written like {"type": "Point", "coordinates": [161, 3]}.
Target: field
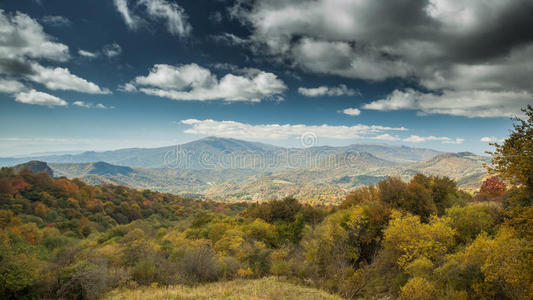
{"type": "Point", "coordinates": [266, 288]}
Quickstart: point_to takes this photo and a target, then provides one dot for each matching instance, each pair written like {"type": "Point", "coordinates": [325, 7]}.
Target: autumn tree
{"type": "Point", "coordinates": [513, 160]}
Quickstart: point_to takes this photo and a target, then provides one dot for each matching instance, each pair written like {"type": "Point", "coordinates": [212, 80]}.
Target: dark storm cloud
{"type": "Point", "coordinates": [498, 36]}
{"type": "Point", "coordinates": [462, 49]}
{"type": "Point", "coordinates": [15, 66]}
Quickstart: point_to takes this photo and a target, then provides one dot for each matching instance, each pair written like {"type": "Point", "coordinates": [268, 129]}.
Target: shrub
{"type": "Point", "coordinates": [418, 289]}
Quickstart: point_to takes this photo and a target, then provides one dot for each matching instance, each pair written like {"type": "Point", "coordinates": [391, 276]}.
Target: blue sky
{"type": "Point", "coordinates": [100, 75]}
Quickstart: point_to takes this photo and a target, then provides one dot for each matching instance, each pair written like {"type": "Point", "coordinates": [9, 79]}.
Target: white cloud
{"type": "Point", "coordinates": [341, 90]}
{"type": "Point", "coordinates": [22, 36]}
{"type": "Point", "coordinates": [101, 106]}
{"type": "Point", "coordinates": [386, 137]}
{"type": "Point", "coordinates": [175, 17]}
{"type": "Point", "coordinates": [444, 140]}
{"type": "Point", "coordinates": [112, 50]}
{"type": "Point", "coordinates": [90, 105]}
{"type": "Point", "coordinates": [193, 82]}
{"type": "Point", "coordinates": [457, 141]}
{"type": "Point", "coordinates": [490, 139]}
{"type": "Point", "coordinates": [61, 79]}
{"type": "Point", "coordinates": [131, 20]}
{"type": "Point", "coordinates": [474, 103]}
{"type": "Point", "coordinates": [22, 42]}
{"type": "Point", "coordinates": [127, 87]}
{"type": "Point", "coordinates": [351, 111]}
{"type": "Point", "coordinates": [87, 53]}
{"type": "Point", "coordinates": [10, 86]}
{"type": "Point", "coordinates": [230, 39]}
{"type": "Point", "coordinates": [172, 13]}
{"type": "Point", "coordinates": [39, 98]}
{"type": "Point", "coordinates": [276, 131]}
{"type": "Point", "coordinates": [56, 21]}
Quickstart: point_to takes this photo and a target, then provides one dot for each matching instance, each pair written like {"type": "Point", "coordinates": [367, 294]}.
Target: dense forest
{"type": "Point", "coordinates": [422, 239]}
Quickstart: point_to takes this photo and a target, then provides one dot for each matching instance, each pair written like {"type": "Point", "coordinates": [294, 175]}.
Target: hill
{"type": "Point", "coordinates": [224, 153]}
{"type": "Point", "coordinates": [323, 182]}
{"type": "Point", "coordinates": [233, 184]}
{"type": "Point", "coordinates": [266, 288]}
{"type": "Point", "coordinates": [465, 167]}
{"type": "Point", "coordinates": [329, 185]}
{"type": "Point", "coordinates": [35, 166]}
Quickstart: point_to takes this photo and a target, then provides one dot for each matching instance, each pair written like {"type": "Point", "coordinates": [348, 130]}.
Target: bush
{"type": "Point", "coordinates": [469, 221]}
{"type": "Point", "coordinates": [198, 264]}
{"type": "Point", "coordinates": [418, 289]}
{"type": "Point", "coordinates": [83, 280]}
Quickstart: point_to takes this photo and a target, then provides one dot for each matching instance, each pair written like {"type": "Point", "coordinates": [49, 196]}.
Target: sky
{"type": "Point", "coordinates": [109, 74]}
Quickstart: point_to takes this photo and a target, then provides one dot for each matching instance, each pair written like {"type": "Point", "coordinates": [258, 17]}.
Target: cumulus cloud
{"type": "Point", "coordinates": [22, 37]}
{"type": "Point", "coordinates": [23, 42]}
{"type": "Point", "coordinates": [112, 50]}
{"type": "Point", "coordinates": [351, 111]}
{"type": "Point", "coordinates": [444, 140]}
{"type": "Point", "coordinates": [277, 131]}
{"type": "Point", "coordinates": [39, 98]}
{"type": "Point", "coordinates": [194, 82]}
{"type": "Point", "coordinates": [171, 13]}
{"type": "Point", "coordinates": [469, 103]}
{"type": "Point", "coordinates": [468, 48]}
{"type": "Point", "coordinates": [90, 105]}
{"type": "Point", "coordinates": [341, 90]}
{"type": "Point", "coordinates": [61, 79]}
{"type": "Point", "coordinates": [10, 86]}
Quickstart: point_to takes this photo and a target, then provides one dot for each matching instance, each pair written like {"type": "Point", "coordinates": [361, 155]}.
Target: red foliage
{"type": "Point", "coordinates": [493, 186]}
{"type": "Point", "coordinates": [491, 189]}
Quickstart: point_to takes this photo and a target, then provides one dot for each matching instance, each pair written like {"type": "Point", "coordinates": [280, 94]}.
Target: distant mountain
{"type": "Point", "coordinates": [330, 185]}
{"type": "Point", "coordinates": [465, 167]}
{"type": "Point", "coordinates": [226, 183]}
{"type": "Point", "coordinates": [97, 168]}
{"type": "Point", "coordinates": [225, 153]}
{"type": "Point", "coordinates": [230, 169]}
{"type": "Point", "coordinates": [400, 154]}
{"type": "Point", "coordinates": [35, 166]}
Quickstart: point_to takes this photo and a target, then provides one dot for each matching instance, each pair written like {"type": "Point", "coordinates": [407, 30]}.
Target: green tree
{"type": "Point", "coordinates": [513, 160]}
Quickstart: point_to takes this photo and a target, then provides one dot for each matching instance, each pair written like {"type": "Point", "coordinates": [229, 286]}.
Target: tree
{"type": "Point", "coordinates": [491, 189]}
{"type": "Point", "coordinates": [361, 195]}
{"type": "Point", "coordinates": [471, 220]}
{"type": "Point", "coordinates": [418, 289]}
{"type": "Point", "coordinates": [513, 160]}
{"type": "Point", "coordinates": [406, 238]}
{"type": "Point", "coordinates": [392, 190]}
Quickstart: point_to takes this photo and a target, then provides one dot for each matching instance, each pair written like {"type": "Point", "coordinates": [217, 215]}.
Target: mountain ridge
{"type": "Point", "coordinates": [209, 151]}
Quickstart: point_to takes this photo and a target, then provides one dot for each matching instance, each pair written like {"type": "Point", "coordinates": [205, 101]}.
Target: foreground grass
{"type": "Point", "coordinates": [266, 288]}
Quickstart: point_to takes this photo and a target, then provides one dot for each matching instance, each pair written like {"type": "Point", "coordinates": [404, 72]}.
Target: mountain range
{"type": "Point", "coordinates": [214, 152]}
{"type": "Point", "coordinates": [233, 170]}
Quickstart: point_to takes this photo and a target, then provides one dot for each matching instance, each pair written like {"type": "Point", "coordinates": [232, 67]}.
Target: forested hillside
{"type": "Point", "coordinates": [422, 239]}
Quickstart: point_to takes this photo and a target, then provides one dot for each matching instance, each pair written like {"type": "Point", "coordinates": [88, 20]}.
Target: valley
{"type": "Point", "coordinates": [236, 170]}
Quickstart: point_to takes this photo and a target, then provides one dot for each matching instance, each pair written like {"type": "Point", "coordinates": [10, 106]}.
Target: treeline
{"type": "Point", "coordinates": [422, 239]}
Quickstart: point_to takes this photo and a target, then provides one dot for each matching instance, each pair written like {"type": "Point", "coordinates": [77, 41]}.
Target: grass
{"type": "Point", "coordinates": [265, 288]}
